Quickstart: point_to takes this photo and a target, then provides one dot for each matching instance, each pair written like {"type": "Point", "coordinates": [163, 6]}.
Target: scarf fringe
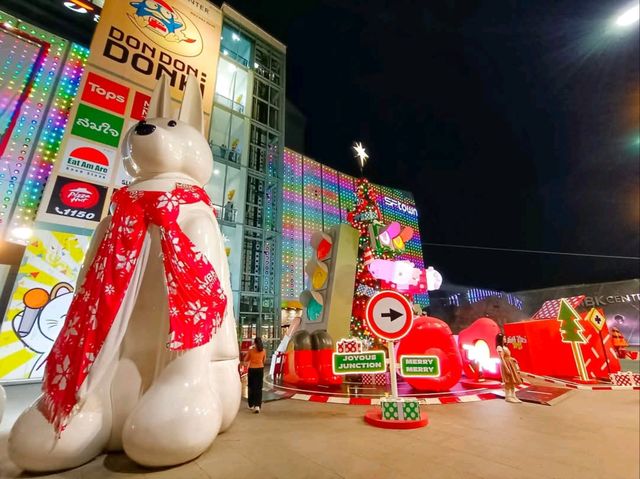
{"type": "Point", "coordinates": [57, 417]}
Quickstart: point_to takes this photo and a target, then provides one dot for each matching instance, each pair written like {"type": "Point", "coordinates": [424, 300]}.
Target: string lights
{"type": "Point", "coordinates": [38, 69]}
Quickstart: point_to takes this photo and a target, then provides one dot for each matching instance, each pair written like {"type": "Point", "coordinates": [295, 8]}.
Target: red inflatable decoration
{"type": "Point", "coordinates": [537, 346]}
{"type": "Point", "coordinates": [431, 336]}
{"type": "Point", "coordinates": [477, 345]}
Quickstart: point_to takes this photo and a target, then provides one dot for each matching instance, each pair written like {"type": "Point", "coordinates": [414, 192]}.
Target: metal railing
{"type": "Point", "coordinates": [223, 152]}
{"type": "Point", "coordinates": [229, 103]}
{"type": "Point", "coordinates": [227, 213]}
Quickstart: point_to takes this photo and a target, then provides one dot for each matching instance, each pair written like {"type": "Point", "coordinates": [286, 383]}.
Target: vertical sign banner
{"type": "Point", "coordinates": [135, 43]}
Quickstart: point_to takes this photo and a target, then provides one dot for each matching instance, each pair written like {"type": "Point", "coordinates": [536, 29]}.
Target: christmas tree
{"type": "Point", "coordinates": [570, 327]}
{"type": "Point", "coordinates": [367, 219]}
{"type": "Point", "coordinates": [571, 332]}
{"type": "Point", "coordinates": [364, 215]}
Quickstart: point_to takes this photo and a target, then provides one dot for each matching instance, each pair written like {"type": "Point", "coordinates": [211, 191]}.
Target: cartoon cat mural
{"type": "Point", "coordinates": [39, 324]}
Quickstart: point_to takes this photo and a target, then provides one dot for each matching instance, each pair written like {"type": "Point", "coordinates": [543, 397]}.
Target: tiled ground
{"type": "Point", "coordinates": [587, 435]}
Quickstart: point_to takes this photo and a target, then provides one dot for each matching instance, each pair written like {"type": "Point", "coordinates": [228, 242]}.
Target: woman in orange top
{"type": "Point", "coordinates": [254, 358]}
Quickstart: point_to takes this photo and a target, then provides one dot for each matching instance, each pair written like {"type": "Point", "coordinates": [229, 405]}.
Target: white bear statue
{"type": "Point", "coordinates": [143, 365]}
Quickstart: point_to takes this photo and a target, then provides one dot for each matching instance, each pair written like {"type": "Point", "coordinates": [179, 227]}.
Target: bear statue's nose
{"type": "Point", "coordinates": [144, 128]}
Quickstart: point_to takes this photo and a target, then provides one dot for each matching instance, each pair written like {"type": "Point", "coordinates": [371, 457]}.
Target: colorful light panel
{"type": "Point", "coordinates": [292, 265]}
{"type": "Point", "coordinates": [32, 143]}
{"type": "Point", "coordinates": [330, 197]}
{"type": "Point", "coordinates": [318, 197]}
{"type": "Point", "coordinates": [474, 295]}
{"type": "Point", "coordinates": [347, 187]}
{"type": "Point", "coordinates": [312, 203]}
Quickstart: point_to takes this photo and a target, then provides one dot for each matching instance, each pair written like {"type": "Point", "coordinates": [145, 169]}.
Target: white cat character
{"type": "Point", "coordinates": [141, 395]}
{"type": "Point", "coordinates": [39, 324]}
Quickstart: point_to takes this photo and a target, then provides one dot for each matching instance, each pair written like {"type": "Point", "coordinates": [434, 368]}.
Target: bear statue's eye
{"type": "Point", "coordinates": [172, 123]}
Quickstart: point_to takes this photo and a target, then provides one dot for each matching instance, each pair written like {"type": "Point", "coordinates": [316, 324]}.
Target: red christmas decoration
{"type": "Point", "coordinates": [365, 212]}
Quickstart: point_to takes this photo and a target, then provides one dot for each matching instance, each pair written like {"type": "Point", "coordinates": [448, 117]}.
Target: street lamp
{"type": "Point", "coordinates": [628, 17]}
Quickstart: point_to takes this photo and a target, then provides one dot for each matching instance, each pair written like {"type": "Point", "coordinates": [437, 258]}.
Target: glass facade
{"type": "Point", "coordinates": [246, 137]}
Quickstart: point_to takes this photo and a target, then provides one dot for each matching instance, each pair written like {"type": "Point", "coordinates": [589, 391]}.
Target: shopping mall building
{"type": "Point", "coordinates": [269, 199]}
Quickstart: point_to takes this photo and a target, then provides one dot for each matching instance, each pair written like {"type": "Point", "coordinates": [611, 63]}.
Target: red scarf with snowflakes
{"type": "Point", "coordinates": [196, 300]}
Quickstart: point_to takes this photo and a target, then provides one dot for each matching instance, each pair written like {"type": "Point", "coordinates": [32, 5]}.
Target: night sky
{"type": "Point", "coordinates": [514, 124]}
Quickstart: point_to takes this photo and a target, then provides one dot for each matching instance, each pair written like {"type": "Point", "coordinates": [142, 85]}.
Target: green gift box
{"type": "Point", "coordinates": [390, 409]}
{"type": "Point", "coordinates": [410, 409]}
{"type": "Point", "coordinates": [401, 409]}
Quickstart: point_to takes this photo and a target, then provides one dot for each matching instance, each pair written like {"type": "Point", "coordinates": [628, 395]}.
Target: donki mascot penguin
{"type": "Point", "coordinates": [147, 361]}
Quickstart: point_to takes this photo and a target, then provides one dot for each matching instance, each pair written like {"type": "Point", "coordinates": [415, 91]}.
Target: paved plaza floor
{"type": "Point", "coordinates": [589, 434]}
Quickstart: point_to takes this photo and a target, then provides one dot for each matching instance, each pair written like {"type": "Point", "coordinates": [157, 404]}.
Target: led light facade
{"type": "Point", "coordinates": [317, 197]}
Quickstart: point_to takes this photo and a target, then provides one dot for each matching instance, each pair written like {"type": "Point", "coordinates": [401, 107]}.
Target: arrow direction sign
{"type": "Point", "coordinates": [389, 315]}
{"type": "Point", "coordinates": [392, 315]}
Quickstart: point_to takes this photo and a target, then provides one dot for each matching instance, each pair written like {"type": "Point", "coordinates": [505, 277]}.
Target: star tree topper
{"type": "Point", "coordinates": [361, 154]}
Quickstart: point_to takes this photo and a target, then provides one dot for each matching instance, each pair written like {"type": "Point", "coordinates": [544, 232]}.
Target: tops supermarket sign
{"type": "Point", "coordinates": [398, 205]}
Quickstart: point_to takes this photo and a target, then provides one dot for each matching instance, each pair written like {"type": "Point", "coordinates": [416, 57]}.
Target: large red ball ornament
{"type": "Point", "coordinates": [432, 336]}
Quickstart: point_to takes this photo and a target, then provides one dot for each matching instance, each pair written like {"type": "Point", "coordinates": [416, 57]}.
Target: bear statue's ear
{"type": "Point", "coordinates": [191, 109]}
{"type": "Point", "coordinates": [160, 104]}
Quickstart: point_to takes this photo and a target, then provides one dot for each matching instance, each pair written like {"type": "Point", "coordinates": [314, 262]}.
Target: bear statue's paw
{"type": "Point", "coordinates": [225, 380]}
{"type": "Point", "coordinates": [172, 423]}
{"type": "Point", "coordinates": [33, 446]}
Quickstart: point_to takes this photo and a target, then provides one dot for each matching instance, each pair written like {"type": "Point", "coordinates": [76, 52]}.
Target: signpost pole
{"type": "Point", "coordinates": [392, 369]}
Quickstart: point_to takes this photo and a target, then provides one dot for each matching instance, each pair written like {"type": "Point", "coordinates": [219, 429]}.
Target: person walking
{"type": "Point", "coordinates": [254, 359]}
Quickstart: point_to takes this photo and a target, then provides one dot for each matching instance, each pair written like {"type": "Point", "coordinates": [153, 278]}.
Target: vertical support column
{"type": "Point", "coordinates": [392, 369]}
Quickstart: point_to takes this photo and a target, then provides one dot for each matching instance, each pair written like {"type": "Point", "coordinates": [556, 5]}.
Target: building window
{"type": "Point", "coordinates": [260, 111]}
{"type": "Point", "coordinates": [231, 86]}
{"type": "Point", "coordinates": [250, 304]}
{"type": "Point", "coordinates": [234, 45]}
{"type": "Point", "coordinates": [267, 323]}
{"type": "Point", "coordinates": [226, 136]}
{"type": "Point", "coordinates": [224, 190]}
{"type": "Point", "coordinates": [268, 65]}
{"type": "Point", "coordinates": [261, 90]}
{"type": "Point", "coordinates": [266, 104]}
{"type": "Point", "coordinates": [269, 267]}
{"type": "Point", "coordinates": [274, 116]}
{"type": "Point", "coordinates": [252, 262]}
{"type": "Point", "coordinates": [255, 202]}
{"type": "Point", "coordinates": [271, 207]}
{"type": "Point", "coordinates": [232, 238]}
{"type": "Point", "coordinates": [263, 150]}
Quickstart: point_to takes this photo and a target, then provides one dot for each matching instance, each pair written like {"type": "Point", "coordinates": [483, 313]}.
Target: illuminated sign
{"type": "Point", "coordinates": [420, 366]}
{"type": "Point", "coordinates": [97, 125]}
{"type": "Point", "coordinates": [107, 94]}
{"type": "Point", "coordinates": [358, 363]}
{"type": "Point", "coordinates": [140, 106]}
{"type": "Point", "coordinates": [393, 203]}
{"type": "Point", "coordinates": [88, 162]}
{"type": "Point", "coordinates": [480, 353]}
